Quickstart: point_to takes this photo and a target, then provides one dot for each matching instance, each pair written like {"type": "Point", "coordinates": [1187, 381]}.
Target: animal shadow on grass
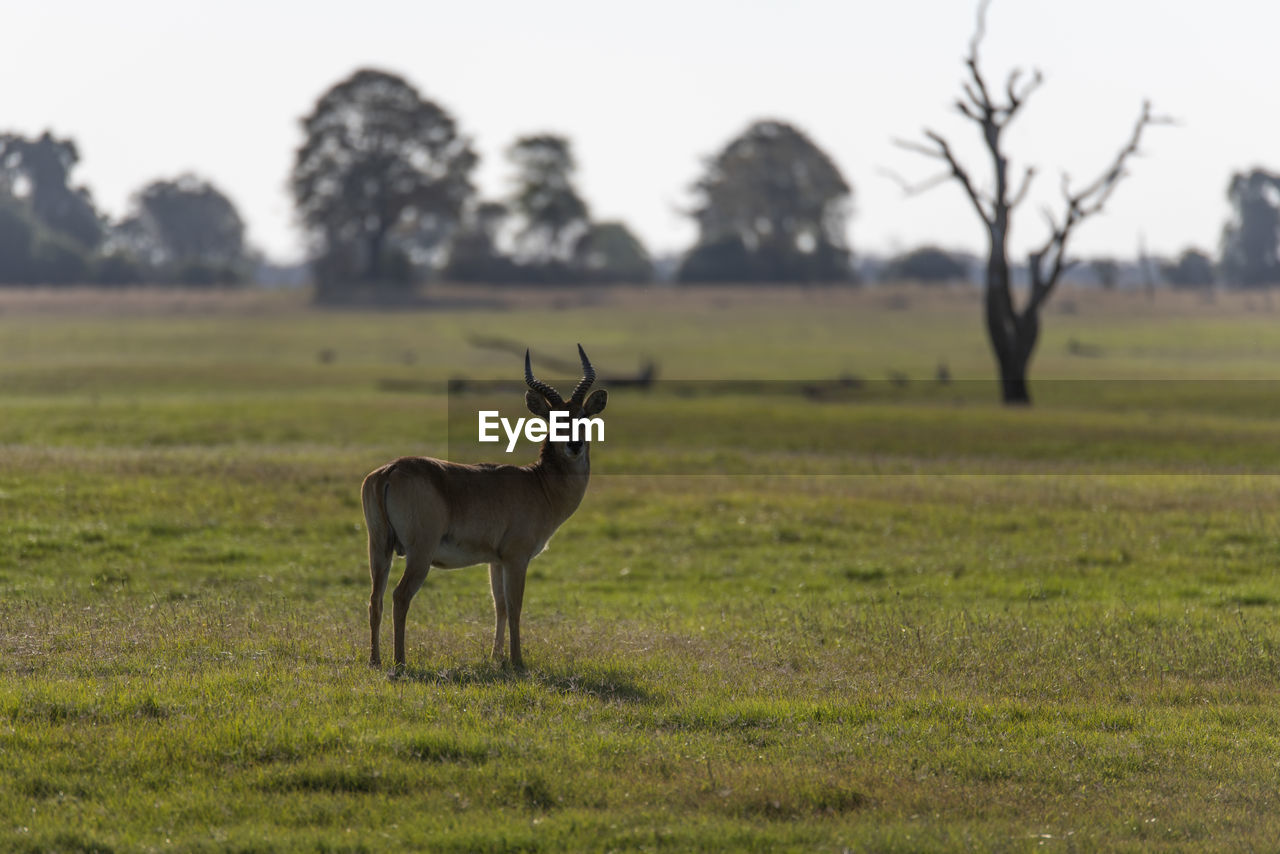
{"type": "Point", "coordinates": [608, 685]}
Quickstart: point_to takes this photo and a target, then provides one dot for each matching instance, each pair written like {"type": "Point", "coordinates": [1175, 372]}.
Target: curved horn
{"type": "Point", "coordinates": [552, 396]}
{"type": "Point", "coordinates": [588, 377]}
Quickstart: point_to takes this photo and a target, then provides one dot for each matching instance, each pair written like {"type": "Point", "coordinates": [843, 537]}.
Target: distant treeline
{"type": "Point", "coordinates": [1192, 269]}
{"type": "Point", "coordinates": [383, 186]}
{"type": "Point", "coordinates": [182, 230]}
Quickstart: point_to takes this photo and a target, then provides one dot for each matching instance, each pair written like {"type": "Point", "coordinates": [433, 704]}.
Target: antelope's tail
{"type": "Point", "coordinates": [382, 537]}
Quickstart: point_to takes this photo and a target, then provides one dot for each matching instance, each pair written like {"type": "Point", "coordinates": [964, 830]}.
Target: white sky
{"type": "Point", "coordinates": [150, 88]}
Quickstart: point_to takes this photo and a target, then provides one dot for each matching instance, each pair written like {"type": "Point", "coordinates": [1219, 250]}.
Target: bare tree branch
{"type": "Point", "coordinates": [981, 96]}
{"type": "Point", "coordinates": [916, 189]}
{"type": "Point", "coordinates": [1080, 206]}
{"type": "Point", "coordinates": [1048, 218]}
{"type": "Point", "coordinates": [1016, 98]}
{"type": "Point", "coordinates": [1011, 85]}
{"type": "Point", "coordinates": [967, 110]}
{"type": "Point", "coordinates": [941, 150]}
{"type": "Point", "coordinates": [1021, 192]}
{"type": "Point", "coordinates": [962, 176]}
{"type": "Point", "coordinates": [980, 28]}
{"type": "Point", "coordinates": [919, 148]}
{"type": "Point", "coordinates": [1095, 194]}
{"type": "Point", "coordinates": [978, 99]}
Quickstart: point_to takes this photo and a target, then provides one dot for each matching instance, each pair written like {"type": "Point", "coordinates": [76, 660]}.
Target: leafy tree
{"type": "Point", "coordinates": [38, 171]}
{"type": "Point", "coordinates": [382, 173]}
{"type": "Point", "coordinates": [926, 264]}
{"type": "Point", "coordinates": [131, 253]}
{"type": "Point", "coordinates": [17, 234]}
{"type": "Point", "coordinates": [1012, 329]}
{"type": "Point", "coordinates": [1107, 271]}
{"type": "Point", "coordinates": [772, 206]}
{"type": "Point", "coordinates": [32, 254]}
{"type": "Point", "coordinates": [610, 253]}
{"type": "Point", "coordinates": [553, 217]}
{"type": "Point", "coordinates": [120, 267]}
{"type": "Point", "coordinates": [474, 255]}
{"type": "Point", "coordinates": [56, 259]}
{"type": "Point", "coordinates": [1251, 239]}
{"type": "Point", "coordinates": [185, 230]}
{"type": "Point", "coordinates": [193, 221]}
{"type": "Point", "coordinates": [1193, 269]}
{"type": "Point", "coordinates": [555, 241]}
{"type": "Point", "coordinates": [722, 261]}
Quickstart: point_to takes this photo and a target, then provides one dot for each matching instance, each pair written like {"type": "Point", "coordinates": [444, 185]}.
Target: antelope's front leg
{"type": "Point", "coordinates": [513, 586]}
{"type": "Point", "coordinates": [499, 609]}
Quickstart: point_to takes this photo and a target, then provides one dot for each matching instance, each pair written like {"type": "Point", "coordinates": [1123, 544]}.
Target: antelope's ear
{"type": "Point", "coordinates": [595, 403]}
{"type": "Point", "coordinates": [537, 404]}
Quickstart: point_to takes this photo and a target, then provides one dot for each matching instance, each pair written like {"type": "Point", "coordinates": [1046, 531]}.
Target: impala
{"type": "Point", "coordinates": [451, 515]}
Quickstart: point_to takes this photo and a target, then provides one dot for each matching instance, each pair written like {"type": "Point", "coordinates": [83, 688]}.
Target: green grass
{"type": "Point", "coordinates": [904, 619]}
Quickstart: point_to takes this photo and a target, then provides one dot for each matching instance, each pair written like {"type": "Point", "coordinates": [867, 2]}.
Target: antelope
{"type": "Point", "coordinates": [450, 515]}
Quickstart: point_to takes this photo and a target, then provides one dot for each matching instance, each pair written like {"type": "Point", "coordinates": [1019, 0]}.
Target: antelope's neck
{"type": "Point", "coordinates": [563, 483]}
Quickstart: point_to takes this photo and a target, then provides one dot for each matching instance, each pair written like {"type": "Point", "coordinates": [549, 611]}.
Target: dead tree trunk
{"type": "Point", "coordinates": [1012, 335]}
{"type": "Point", "coordinates": [1013, 329]}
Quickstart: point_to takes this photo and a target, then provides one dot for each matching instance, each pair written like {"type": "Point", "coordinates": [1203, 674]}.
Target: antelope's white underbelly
{"type": "Point", "coordinates": [451, 555]}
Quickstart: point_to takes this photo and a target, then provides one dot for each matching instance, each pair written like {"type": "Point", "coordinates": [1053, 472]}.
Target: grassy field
{"type": "Point", "coordinates": [895, 618]}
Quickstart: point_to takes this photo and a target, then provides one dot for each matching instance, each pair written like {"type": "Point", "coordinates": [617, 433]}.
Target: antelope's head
{"type": "Point", "coordinates": [543, 400]}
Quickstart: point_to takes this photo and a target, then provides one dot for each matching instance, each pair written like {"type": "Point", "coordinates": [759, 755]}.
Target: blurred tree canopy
{"type": "Point", "coordinates": [475, 255]}
{"type": "Point", "coordinates": [32, 254]}
{"type": "Point", "coordinates": [48, 228]}
{"type": "Point", "coordinates": [38, 171]}
{"type": "Point", "coordinates": [547, 226]}
{"type": "Point", "coordinates": [610, 253]}
{"type": "Point", "coordinates": [552, 216]}
{"type": "Point", "coordinates": [771, 207]}
{"type": "Point", "coordinates": [1107, 271]}
{"type": "Point", "coordinates": [926, 264]}
{"type": "Point", "coordinates": [183, 230]}
{"type": "Point", "coordinates": [17, 232]}
{"type": "Point", "coordinates": [381, 181]}
{"type": "Point", "coordinates": [1192, 269]}
{"type": "Point", "coordinates": [1251, 239]}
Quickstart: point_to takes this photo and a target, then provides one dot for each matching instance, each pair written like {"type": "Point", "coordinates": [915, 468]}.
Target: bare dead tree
{"type": "Point", "coordinates": [1013, 329]}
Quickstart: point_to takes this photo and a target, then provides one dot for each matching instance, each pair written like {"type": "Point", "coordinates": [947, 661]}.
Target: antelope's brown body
{"type": "Point", "coordinates": [451, 515]}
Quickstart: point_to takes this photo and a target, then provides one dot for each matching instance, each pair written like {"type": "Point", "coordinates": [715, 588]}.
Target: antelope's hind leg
{"type": "Point", "coordinates": [417, 564]}
{"type": "Point", "coordinates": [379, 569]}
